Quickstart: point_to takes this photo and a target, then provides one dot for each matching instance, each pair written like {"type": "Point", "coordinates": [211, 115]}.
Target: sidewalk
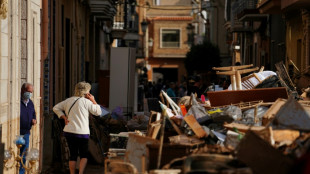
{"type": "Point", "coordinates": [90, 169]}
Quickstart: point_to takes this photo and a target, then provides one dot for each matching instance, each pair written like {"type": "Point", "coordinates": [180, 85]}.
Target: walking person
{"type": "Point", "coordinates": [75, 112]}
{"type": "Point", "coordinates": [27, 118]}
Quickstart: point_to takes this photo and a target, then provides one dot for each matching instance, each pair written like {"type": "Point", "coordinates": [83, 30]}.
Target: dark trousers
{"type": "Point", "coordinates": [77, 147]}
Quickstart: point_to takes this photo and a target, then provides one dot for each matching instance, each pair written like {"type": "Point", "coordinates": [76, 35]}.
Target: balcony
{"type": "Point", "coordinates": [126, 21]}
{"type": "Point", "coordinates": [294, 4]}
{"type": "Point", "coordinates": [238, 26]}
{"type": "Point", "coordinates": [269, 6]}
{"type": "Point", "coordinates": [102, 9]}
{"type": "Point", "coordinates": [246, 10]}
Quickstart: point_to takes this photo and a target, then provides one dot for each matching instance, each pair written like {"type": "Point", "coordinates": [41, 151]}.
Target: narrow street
{"type": "Point", "coordinates": [155, 86]}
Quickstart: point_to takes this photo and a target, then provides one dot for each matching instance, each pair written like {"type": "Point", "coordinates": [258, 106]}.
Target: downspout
{"type": "Point", "coordinates": [44, 56]}
{"type": "Point", "coordinates": [44, 29]}
{"type": "Point", "coordinates": [78, 42]}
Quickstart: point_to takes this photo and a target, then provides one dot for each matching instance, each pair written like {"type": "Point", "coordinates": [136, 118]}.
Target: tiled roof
{"type": "Point", "coordinates": [172, 18]}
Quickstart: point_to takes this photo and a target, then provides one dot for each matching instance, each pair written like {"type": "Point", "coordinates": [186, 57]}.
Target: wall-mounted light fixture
{"type": "Point", "coordinates": [32, 156]}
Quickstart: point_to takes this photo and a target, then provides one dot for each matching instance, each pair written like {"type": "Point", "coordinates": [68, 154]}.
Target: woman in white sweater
{"type": "Point", "coordinates": [75, 111]}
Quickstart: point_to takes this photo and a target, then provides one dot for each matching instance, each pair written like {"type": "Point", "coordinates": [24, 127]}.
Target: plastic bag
{"type": "Point", "coordinates": [227, 114]}
{"type": "Point", "coordinates": [117, 113]}
{"type": "Point", "coordinates": [248, 115]}
{"type": "Point", "coordinates": [198, 111]}
{"type": "Point", "coordinates": [139, 122]}
{"type": "Point", "coordinates": [104, 111]}
{"type": "Point", "coordinates": [233, 111]}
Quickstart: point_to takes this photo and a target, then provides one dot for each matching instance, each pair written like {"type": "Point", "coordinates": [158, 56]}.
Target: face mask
{"type": "Point", "coordinates": [27, 95]}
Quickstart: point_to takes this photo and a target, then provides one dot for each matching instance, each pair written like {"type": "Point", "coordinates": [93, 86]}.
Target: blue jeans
{"type": "Point", "coordinates": [22, 149]}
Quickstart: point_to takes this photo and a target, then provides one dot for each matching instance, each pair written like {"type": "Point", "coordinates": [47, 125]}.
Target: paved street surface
{"type": "Point", "coordinates": [90, 169]}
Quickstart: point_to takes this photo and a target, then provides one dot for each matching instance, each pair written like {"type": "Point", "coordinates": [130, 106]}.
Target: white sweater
{"type": "Point", "coordinates": [78, 116]}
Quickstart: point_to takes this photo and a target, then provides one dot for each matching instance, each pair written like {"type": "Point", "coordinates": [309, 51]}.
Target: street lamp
{"type": "Point", "coordinates": [144, 25]}
{"type": "Point", "coordinates": [32, 156]}
{"type": "Point", "coordinates": [190, 34]}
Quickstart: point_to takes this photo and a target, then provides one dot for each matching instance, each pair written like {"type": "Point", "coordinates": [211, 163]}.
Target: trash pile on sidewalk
{"type": "Point", "coordinates": [265, 130]}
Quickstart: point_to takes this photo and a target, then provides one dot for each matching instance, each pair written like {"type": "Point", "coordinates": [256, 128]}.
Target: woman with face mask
{"type": "Point", "coordinates": [75, 111]}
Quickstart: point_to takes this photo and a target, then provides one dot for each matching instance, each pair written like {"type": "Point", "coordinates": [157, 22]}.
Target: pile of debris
{"type": "Point", "coordinates": [268, 132]}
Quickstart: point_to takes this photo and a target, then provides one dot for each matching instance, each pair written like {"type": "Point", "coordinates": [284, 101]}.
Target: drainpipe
{"type": "Point", "coordinates": [44, 29]}
{"type": "Point", "coordinates": [44, 55]}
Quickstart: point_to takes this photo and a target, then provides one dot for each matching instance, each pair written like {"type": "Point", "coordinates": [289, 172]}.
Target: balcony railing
{"type": "Point", "coordinates": [102, 9]}
{"type": "Point", "coordinates": [269, 6]}
{"type": "Point", "coordinates": [245, 5]}
{"type": "Point", "coordinates": [126, 19]}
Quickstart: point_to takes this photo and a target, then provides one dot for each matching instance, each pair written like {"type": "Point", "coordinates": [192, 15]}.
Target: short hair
{"type": "Point", "coordinates": [81, 89]}
{"type": "Point", "coordinates": [25, 85]}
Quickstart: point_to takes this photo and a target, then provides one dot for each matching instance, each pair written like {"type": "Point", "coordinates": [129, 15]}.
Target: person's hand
{"type": "Point", "coordinates": [65, 118]}
{"type": "Point", "coordinates": [91, 98]}
{"type": "Point", "coordinates": [34, 121]}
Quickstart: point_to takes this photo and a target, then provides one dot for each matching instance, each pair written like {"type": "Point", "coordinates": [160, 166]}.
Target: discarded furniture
{"type": "Point", "coordinates": [118, 144]}
{"type": "Point", "coordinates": [261, 157]}
{"type": "Point", "coordinates": [220, 98]}
{"type": "Point", "coordinates": [165, 171]}
{"type": "Point", "coordinates": [242, 127]}
{"type": "Point", "coordinates": [247, 83]}
{"type": "Point", "coordinates": [119, 167]}
{"type": "Point", "coordinates": [284, 76]}
{"type": "Point", "coordinates": [137, 151]}
{"type": "Point", "coordinates": [211, 163]}
{"type": "Point", "coordinates": [167, 153]}
{"type": "Point", "coordinates": [271, 112]}
{"type": "Point", "coordinates": [195, 126]}
{"type": "Point", "coordinates": [235, 74]}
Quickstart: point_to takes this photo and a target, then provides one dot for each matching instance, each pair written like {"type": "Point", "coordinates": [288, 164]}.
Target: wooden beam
{"type": "Point", "coordinates": [227, 68]}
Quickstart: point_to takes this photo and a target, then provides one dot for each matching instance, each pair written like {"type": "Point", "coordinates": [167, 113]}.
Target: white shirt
{"type": "Point", "coordinates": [78, 116]}
{"type": "Point", "coordinates": [26, 102]}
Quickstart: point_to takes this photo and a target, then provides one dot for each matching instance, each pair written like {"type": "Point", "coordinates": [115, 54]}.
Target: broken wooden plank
{"type": "Point", "coordinates": [271, 112]}
{"type": "Point", "coordinates": [243, 127]}
{"type": "Point", "coordinates": [285, 135]}
{"type": "Point", "coordinates": [154, 129]}
{"type": "Point", "coordinates": [261, 156]}
{"type": "Point", "coordinates": [227, 68]}
{"type": "Point", "coordinates": [227, 97]}
{"type": "Point", "coordinates": [195, 126]}
{"type": "Point", "coordinates": [185, 140]}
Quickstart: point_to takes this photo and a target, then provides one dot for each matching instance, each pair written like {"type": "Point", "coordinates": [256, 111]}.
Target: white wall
{"type": "Point", "coordinates": [10, 69]}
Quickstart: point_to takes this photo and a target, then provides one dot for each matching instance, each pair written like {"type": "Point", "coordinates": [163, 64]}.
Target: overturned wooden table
{"type": "Point", "coordinates": [235, 74]}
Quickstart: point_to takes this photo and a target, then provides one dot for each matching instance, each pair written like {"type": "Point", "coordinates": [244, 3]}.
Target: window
{"type": "Point", "coordinates": [170, 38]}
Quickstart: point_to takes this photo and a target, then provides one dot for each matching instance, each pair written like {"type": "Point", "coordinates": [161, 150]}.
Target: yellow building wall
{"type": "Point", "coordinates": [171, 52]}
{"type": "Point", "coordinates": [294, 34]}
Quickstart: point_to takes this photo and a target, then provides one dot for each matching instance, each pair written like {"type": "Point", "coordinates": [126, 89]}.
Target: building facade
{"type": "Point", "coordinates": [215, 31]}
{"type": "Point", "coordinates": [20, 62]}
{"type": "Point", "coordinates": [78, 49]}
{"type": "Point", "coordinates": [295, 47]}
{"type": "Point", "coordinates": [255, 38]}
{"type": "Point", "coordinates": [166, 39]}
